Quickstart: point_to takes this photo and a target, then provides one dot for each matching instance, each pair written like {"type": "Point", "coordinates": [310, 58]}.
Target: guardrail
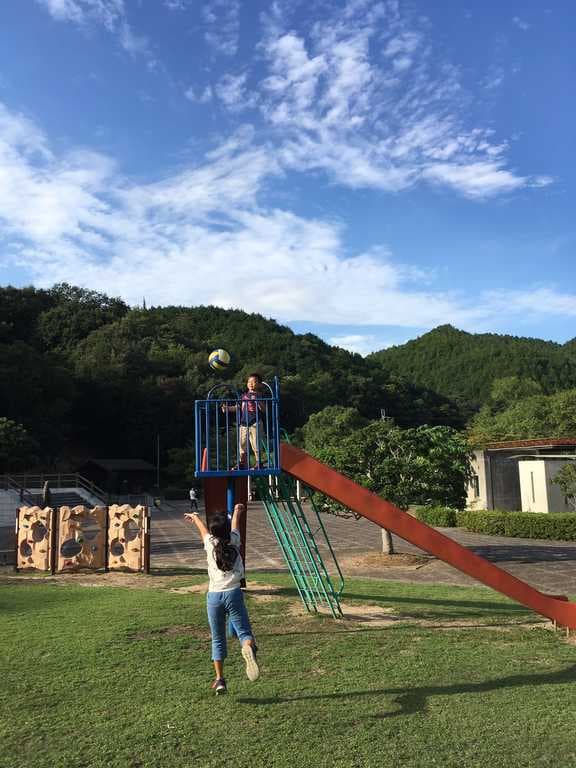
{"type": "Point", "coordinates": [7, 483]}
{"type": "Point", "coordinates": [238, 434]}
{"type": "Point", "coordinates": [56, 480]}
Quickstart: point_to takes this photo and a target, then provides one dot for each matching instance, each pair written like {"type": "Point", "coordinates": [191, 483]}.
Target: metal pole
{"type": "Point", "coordinates": [230, 496]}
{"type": "Point", "coordinates": [158, 460]}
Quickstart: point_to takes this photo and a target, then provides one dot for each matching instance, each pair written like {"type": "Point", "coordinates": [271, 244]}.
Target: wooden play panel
{"type": "Point", "coordinates": [127, 538]}
{"type": "Point", "coordinates": [81, 538]}
{"type": "Point", "coordinates": [34, 539]}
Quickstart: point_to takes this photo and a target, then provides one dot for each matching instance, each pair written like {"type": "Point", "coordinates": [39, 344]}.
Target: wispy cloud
{"type": "Point", "coordinates": [202, 235]}
{"type": "Point", "coordinates": [222, 19]}
{"type": "Point", "coordinates": [106, 12]}
{"type": "Point", "coordinates": [520, 24]}
{"type": "Point", "coordinates": [233, 92]}
{"type": "Point", "coordinates": [176, 5]}
{"type": "Point", "coordinates": [362, 344]}
{"type": "Point", "coordinates": [365, 97]}
{"type": "Point", "coordinates": [111, 14]}
{"type": "Point", "coordinates": [199, 95]}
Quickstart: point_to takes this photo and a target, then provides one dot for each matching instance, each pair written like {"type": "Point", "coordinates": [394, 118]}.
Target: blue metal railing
{"type": "Point", "coordinates": [236, 434]}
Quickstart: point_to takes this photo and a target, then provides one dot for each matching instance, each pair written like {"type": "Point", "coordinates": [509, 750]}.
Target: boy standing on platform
{"type": "Point", "coordinates": [251, 422]}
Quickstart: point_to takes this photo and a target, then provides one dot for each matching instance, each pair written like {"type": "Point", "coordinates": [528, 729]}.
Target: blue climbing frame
{"type": "Point", "coordinates": [221, 428]}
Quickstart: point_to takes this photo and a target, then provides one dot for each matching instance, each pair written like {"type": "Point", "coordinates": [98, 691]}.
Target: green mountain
{"type": "Point", "coordinates": [462, 366]}
{"type": "Point", "coordinates": [86, 375]}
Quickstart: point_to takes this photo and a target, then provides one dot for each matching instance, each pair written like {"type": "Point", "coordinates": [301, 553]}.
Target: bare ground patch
{"type": "Point", "coordinates": [98, 579]}
{"type": "Point", "coordinates": [373, 562]}
{"type": "Point", "coordinates": [365, 615]}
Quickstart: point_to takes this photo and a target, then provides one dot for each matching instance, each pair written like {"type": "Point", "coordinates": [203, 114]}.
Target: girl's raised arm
{"type": "Point", "coordinates": [238, 512]}
{"type": "Point", "coordinates": [195, 518]}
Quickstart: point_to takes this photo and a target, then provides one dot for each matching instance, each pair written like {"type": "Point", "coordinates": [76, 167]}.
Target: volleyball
{"type": "Point", "coordinates": [219, 359]}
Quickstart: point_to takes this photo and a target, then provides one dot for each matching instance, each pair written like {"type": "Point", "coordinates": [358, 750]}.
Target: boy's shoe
{"type": "Point", "coordinates": [219, 685]}
{"type": "Point", "coordinates": [249, 654]}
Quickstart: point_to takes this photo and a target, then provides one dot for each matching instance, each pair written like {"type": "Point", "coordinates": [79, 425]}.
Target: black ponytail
{"type": "Point", "coordinates": [225, 553]}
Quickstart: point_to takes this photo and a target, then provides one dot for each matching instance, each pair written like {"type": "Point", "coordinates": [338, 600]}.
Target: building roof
{"type": "Point", "coordinates": [546, 442]}
{"type": "Point", "coordinates": [122, 465]}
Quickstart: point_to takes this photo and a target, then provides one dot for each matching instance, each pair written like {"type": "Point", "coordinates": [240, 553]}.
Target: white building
{"type": "Point", "coordinates": [538, 491]}
{"type": "Point", "coordinates": [503, 478]}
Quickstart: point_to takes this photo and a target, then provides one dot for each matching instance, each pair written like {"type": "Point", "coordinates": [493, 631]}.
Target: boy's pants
{"type": "Point", "coordinates": [253, 432]}
{"type": "Point", "coordinates": [219, 605]}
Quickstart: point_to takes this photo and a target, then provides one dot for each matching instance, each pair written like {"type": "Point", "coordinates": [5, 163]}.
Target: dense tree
{"type": "Point", "coordinates": [462, 366]}
{"type": "Point", "coordinates": [36, 390]}
{"type": "Point", "coordinates": [75, 313]}
{"type": "Point", "coordinates": [86, 375]}
{"type": "Point", "coordinates": [329, 427]}
{"type": "Point", "coordinates": [540, 416]}
{"type": "Point", "coordinates": [17, 449]}
{"type": "Point", "coordinates": [406, 466]}
{"type": "Point", "coordinates": [20, 309]}
{"type": "Point", "coordinates": [566, 479]}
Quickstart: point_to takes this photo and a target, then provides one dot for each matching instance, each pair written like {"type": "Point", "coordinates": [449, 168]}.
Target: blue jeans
{"type": "Point", "coordinates": [222, 604]}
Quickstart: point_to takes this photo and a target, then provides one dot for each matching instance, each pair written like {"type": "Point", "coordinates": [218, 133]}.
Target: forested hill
{"type": "Point", "coordinates": [462, 366]}
{"type": "Point", "coordinates": [85, 375]}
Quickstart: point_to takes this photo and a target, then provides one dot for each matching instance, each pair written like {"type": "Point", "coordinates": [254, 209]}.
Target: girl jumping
{"type": "Point", "coordinates": [225, 598]}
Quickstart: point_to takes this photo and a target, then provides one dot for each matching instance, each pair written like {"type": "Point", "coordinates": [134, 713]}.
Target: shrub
{"type": "Point", "coordinates": [528, 525]}
{"type": "Point", "coordinates": [442, 517]}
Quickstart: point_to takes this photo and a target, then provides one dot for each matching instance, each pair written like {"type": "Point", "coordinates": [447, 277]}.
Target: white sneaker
{"type": "Point", "coordinates": [252, 671]}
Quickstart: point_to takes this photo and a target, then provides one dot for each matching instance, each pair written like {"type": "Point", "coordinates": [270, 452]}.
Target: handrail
{"type": "Point", "coordinates": [328, 543]}
{"type": "Point", "coordinates": [286, 438]}
{"type": "Point", "coordinates": [12, 485]}
{"type": "Point", "coordinates": [58, 480]}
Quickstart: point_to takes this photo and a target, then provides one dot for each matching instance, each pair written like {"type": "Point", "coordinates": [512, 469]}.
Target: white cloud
{"type": "Point", "coordinates": [521, 24]}
{"type": "Point", "coordinates": [203, 235]}
{"type": "Point", "coordinates": [106, 12]}
{"type": "Point", "coordinates": [175, 5]}
{"type": "Point", "coordinates": [359, 92]}
{"type": "Point", "coordinates": [233, 93]}
{"type": "Point", "coordinates": [537, 301]}
{"type": "Point", "coordinates": [111, 14]}
{"type": "Point", "coordinates": [480, 179]}
{"type": "Point", "coordinates": [362, 344]}
{"type": "Point", "coordinates": [222, 19]}
{"type": "Point", "coordinates": [364, 97]}
{"type": "Point", "coordinates": [199, 95]}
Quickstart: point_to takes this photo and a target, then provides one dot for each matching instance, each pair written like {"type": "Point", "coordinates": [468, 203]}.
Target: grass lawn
{"type": "Point", "coordinates": [119, 677]}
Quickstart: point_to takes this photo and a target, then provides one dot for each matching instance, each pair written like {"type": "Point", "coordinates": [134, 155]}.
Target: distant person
{"type": "Point", "coordinates": [193, 500]}
{"type": "Point", "coordinates": [225, 599]}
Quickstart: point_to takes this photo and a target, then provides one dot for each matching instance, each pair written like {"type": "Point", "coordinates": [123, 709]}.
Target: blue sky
{"type": "Point", "coordinates": [362, 169]}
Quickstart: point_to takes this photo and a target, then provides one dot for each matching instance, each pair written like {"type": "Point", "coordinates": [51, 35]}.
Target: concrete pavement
{"type": "Point", "coordinates": [546, 565]}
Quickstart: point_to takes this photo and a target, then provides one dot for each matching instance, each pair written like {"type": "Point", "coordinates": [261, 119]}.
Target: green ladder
{"type": "Point", "coordinates": [298, 544]}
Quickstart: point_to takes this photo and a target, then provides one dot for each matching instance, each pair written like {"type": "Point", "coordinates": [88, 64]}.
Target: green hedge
{"type": "Point", "coordinates": [441, 517]}
{"type": "Point", "coordinates": [528, 525]}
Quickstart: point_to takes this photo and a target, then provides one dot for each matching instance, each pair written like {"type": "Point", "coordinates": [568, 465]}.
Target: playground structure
{"type": "Point", "coordinates": [65, 539]}
{"type": "Point", "coordinates": [225, 483]}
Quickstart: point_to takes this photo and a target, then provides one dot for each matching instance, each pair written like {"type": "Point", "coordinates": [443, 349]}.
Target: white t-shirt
{"type": "Point", "coordinates": [192, 494]}
{"type": "Point", "coordinates": [223, 581]}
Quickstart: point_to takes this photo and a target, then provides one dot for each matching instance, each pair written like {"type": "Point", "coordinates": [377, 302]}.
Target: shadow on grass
{"type": "Point", "coordinates": [414, 700]}
{"type": "Point", "coordinates": [177, 570]}
{"type": "Point", "coordinates": [483, 605]}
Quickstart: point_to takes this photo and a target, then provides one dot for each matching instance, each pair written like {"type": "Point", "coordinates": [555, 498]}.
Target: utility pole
{"type": "Point", "coordinates": [158, 460]}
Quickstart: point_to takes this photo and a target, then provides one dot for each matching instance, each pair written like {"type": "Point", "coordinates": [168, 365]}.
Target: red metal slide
{"type": "Point", "coordinates": [325, 480]}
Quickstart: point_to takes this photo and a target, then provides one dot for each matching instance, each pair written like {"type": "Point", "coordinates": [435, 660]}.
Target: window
{"type": "Point", "coordinates": [475, 486]}
{"type": "Point", "coordinates": [532, 485]}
